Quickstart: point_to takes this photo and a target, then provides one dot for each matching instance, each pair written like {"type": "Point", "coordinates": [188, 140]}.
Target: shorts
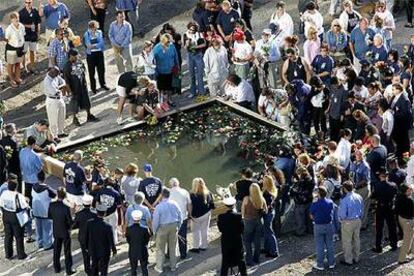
{"type": "Point", "coordinates": [121, 91]}
{"type": "Point", "coordinates": [30, 46]}
{"type": "Point", "coordinates": [12, 58]}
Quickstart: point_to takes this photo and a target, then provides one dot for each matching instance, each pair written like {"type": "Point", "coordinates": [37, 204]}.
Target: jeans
{"type": "Point", "coordinates": [336, 223]}
{"type": "Point", "coordinates": [270, 241]}
{"type": "Point", "coordinates": [302, 219]}
{"type": "Point", "coordinates": [196, 70]}
{"type": "Point", "coordinates": [44, 233]}
{"type": "Point", "coordinates": [324, 244]}
{"type": "Point", "coordinates": [253, 229]}
{"type": "Point", "coordinates": [182, 239]}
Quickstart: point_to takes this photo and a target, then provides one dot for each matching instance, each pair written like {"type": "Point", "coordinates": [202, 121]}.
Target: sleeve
{"type": "Point", "coordinates": [353, 36]}
{"type": "Point", "coordinates": [312, 209]}
{"type": "Point", "coordinates": [22, 202]}
{"type": "Point", "coordinates": [128, 36]}
{"type": "Point", "coordinates": [46, 10]}
{"type": "Point", "coordinates": [66, 11]}
{"type": "Point", "coordinates": [155, 220]}
{"type": "Point", "coordinates": [111, 34]}
{"type": "Point", "coordinates": [51, 51]}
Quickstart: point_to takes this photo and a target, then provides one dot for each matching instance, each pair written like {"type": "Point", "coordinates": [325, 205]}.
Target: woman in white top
{"type": "Point", "coordinates": [15, 33]}
{"type": "Point", "coordinates": [146, 61]}
{"type": "Point", "coordinates": [386, 113]}
{"type": "Point", "coordinates": [281, 17]}
{"type": "Point", "coordinates": [312, 17]}
{"type": "Point", "coordinates": [389, 22]}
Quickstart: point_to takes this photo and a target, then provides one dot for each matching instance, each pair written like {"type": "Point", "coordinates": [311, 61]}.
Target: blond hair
{"type": "Point", "coordinates": [131, 169]}
{"type": "Point", "coordinates": [256, 196]}
{"type": "Point", "coordinates": [312, 33]}
{"type": "Point", "coordinates": [199, 187]}
{"type": "Point", "coordinates": [269, 185]}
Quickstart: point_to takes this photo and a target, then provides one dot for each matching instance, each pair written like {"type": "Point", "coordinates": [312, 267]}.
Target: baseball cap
{"type": "Point", "coordinates": [136, 215]}
{"type": "Point", "coordinates": [147, 167]}
{"type": "Point", "coordinates": [87, 199]}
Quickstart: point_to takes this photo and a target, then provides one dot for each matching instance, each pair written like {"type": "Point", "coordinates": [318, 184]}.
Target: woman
{"type": "Point", "coordinates": [379, 52]}
{"type": "Point", "coordinates": [349, 18]}
{"type": "Point", "coordinates": [312, 17]}
{"type": "Point", "coordinates": [282, 198]}
{"type": "Point", "coordinates": [269, 194]}
{"type": "Point", "coordinates": [389, 22]}
{"type": "Point", "coordinates": [404, 208]}
{"type": "Point", "coordinates": [95, 46]}
{"type": "Point", "coordinates": [312, 45]}
{"type": "Point", "coordinates": [319, 101]}
{"type": "Point", "coordinates": [289, 42]}
{"type": "Point", "coordinates": [202, 203]}
{"type": "Point", "coordinates": [14, 36]}
{"type": "Point", "coordinates": [98, 173]}
{"type": "Point", "coordinates": [393, 62]}
{"type": "Point", "coordinates": [362, 121]}
{"type": "Point", "coordinates": [146, 62]}
{"type": "Point", "coordinates": [406, 76]}
{"type": "Point", "coordinates": [337, 41]}
{"type": "Point", "coordinates": [130, 184]}
{"type": "Point", "coordinates": [253, 207]}
{"type": "Point", "coordinates": [195, 44]}
{"type": "Point", "coordinates": [147, 100]}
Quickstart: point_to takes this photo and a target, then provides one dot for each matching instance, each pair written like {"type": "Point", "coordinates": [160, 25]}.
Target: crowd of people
{"type": "Point", "coordinates": [345, 89]}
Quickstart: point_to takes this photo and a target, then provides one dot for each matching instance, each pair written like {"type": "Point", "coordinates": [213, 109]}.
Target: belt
{"type": "Point", "coordinates": [55, 98]}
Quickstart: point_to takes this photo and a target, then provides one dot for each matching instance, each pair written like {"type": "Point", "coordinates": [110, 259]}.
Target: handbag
{"type": "Point", "coordinates": [22, 215]}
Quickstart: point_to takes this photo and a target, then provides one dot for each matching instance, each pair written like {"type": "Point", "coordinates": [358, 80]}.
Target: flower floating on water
{"type": "Point", "coordinates": [152, 120]}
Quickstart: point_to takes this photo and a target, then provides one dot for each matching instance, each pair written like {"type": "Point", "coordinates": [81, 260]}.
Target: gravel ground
{"type": "Point", "coordinates": [297, 254]}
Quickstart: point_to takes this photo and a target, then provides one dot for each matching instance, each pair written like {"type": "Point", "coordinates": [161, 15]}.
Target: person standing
{"type": "Point", "coordinates": [295, 67]}
{"type": "Point", "coordinates": [360, 42]}
{"type": "Point", "coordinates": [376, 158]}
{"type": "Point", "coordinates": [282, 18]}
{"type": "Point", "coordinates": [42, 195]}
{"type": "Point", "coordinates": [75, 178]}
{"type": "Point", "coordinates": [54, 87]}
{"type": "Point", "coordinates": [120, 35]}
{"type": "Point", "coordinates": [95, 46]}
{"type": "Point", "coordinates": [167, 219]}
{"type": "Point", "coordinates": [58, 50]}
{"type": "Point", "coordinates": [13, 162]}
{"type": "Point", "coordinates": [14, 35]}
{"type": "Point", "coordinates": [59, 213]}
{"type": "Point", "coordinates": [12, 202]}
{"type": "Point", "coordinates": [350, 213]}
{"type": "Point", "coordinates": [231, 226]}
{"type": "Point", "coordinates": [146, 220]}
{"type": "Point", "coordinates": [384, 193]}
{"type": "Point", "coordinates": [30, 18]}
{"type": "Point", "coordinates": [151, 186]}
{"type": "Point", "coordinates": [137, 238]}
{"type": "Point", "coordinates": [182, 198]}
{"type": "Point", "coordinates": [322, 212]}
{"type": "Point", "coordinates": [100, 242]}
{"type": "Point", "coordinates": [54, 11]}
{"type": "Point", "coordinates": [410, 166]}
{"type": "Point", "coordinates": [216, 66]}
{"type": "Point", "coordinates": [74, 74]}
{"type": "Point", "coordinates": [404, 209]}
{"type": "Point", "coordinates": [98, 13]}
{"type": "Point", "coordinates": [130, 184]}
{"type": "Point", "coordinates": [81, 220]}
{"type": "Point", "coordinates": [225, 21]}
{"type": "Point", "coordinates": [270, 194]}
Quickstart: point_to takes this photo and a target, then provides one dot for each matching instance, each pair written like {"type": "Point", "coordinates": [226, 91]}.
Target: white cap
{"type": "Point", "coordinates": [136, 215]}
{"type": "Point", "coordinates": [87, 199]}
{"type": "Point", "coordinates": [229, 200]}
{"type": "Point", "coordinates": [267, 31]}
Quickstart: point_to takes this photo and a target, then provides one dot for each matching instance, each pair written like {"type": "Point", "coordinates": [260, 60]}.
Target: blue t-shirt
{"type": "Point", "coordinates": [146, 215]}
{"type": "Point", "coordinates": [360, 41]}
{"type": "Point", "coordinates": [322, 211]}
{"type": "Point", "coordinates": [53, 15]}
{"type": "Point", "coordinates": [379, 54]}
{"type": "Point", "coordinates": [227, 21]}
{"type": "Point", "coordinates": [322, 64]}
{"type": "Point", "coordinates": [75, 178]}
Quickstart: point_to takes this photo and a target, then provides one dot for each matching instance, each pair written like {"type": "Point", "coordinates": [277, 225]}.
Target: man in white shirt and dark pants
{"type": "Point", "coordinates": [182, 198]}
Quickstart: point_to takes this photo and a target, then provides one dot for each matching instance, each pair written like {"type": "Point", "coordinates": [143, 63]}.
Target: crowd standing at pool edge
{"type": "Point", "coordinates": [346, 89]}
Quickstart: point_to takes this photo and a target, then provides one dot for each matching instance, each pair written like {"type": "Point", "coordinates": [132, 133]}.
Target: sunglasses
{"type": "Point", "coordinates": [337, 25]}
{"type": "Point", "coordinates": [28, 3]}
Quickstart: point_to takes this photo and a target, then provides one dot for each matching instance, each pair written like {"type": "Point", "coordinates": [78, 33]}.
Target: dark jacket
{"type": "Point", "coordinates": [62, 220]}
{"type": "Point", "coordinates": [302, 191]}
{"type": "Point", "coordinates": [81, 220]}
{"type": "Point", "coordinates": [376, 159]}
{"type": "Point", "coordinates": [137, 238]}
{"type": "Point", "coordinates": [230, 224]}
{"type": "Point", "coordinates": [404, 206]}
{"type": "Point", "coordinates": [384, 193]}
{"type": "Point", "coordinates": [403, 115]}
{"type": "Point", "coordinates": [99, 238]}
{"type": "Point", "coordinates": [14, 161]}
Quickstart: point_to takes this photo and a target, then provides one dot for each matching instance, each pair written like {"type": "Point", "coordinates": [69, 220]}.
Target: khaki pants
{"type": "Point", "coordinates": [112, 219]}
{"type": "Point", "coordinates": [407, 226]}
{"type": "Point", "coordinates": [365, 193]}
{"type": "Point", "coordinates": [123, 59]}
{"type": "Point", "coordinates": [48, 34]}
{"type": "Point", "coordinates": [350, 239]}
{"type": "Point", "coordinates": [56, 114]}
{"type": "Point", "coordinates": [167, 234]}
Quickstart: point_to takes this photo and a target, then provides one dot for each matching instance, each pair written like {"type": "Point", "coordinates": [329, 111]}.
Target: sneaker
{"type": "Point", "coordinates": [119, 121]}
{"type": "Point", "coordinates": [157, 269]}
{"type": "Point", "coordinates": [190, 96]}
{"type": "Point", "coordinates": [76, 122]}
{"type": "Point", "coordinates": [332, 266]}
{"type": "Point", "coordinates": [315, 266]}
{"type": "Point", "coordinates": [92, 118]}
{"type": "Point", "coordinates": [63, 135]}
{"type": "Point", "coordinates": [106, 88]}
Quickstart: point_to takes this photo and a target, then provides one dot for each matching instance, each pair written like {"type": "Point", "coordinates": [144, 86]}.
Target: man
{"type": "Point", "coordinates": [410, 166]}
{"type": "Point", "coordinates": [54, 87]}
{"type": "Point", "coordinates": [127, 6]}
{"type": "Point", "coordinates": [31, 165]}
{"type": "Point", "coordinates": [137, 238]}
{"type": "Point", "coordinates": [396, 174]}
{"type": "Point", "coordinates": [167, 219]}
{"type": "Point", "coordinates": [151, 186]}
{"type": "Point", "coordinates": [231, 226]}
{"type": "Point", "coordinates": [360, 42]}
{"type": "Point", "coordinates": [75, 178]}
{"type": "Point", "coordinates": [62, 224]}
{"type": "Point", "coordinates": [350, 213]}
{"type": "Point", "coordinates": [226, 21]}
{"type": "Point", "coordinates": [10, 143]}
{"type": "Point", "coordinates": [10, 201]}
{"type": "Point", "coordinates": [98, 12]}
{"type": "Point", "coordinates": [42, 195]}
{"type": "Point", "coordinates": [100, 241]}
{"type": "Point", "coordinates": [74, 74]}
{"type": "Point", "coordinates": [337, 99]}
{"type": "Point", "coordinates": [376, 158]}
{"type": "Point", "coordinates": [120, 35]}
{"type": "Point", "coordinates": [40, 131]}
{"type": "Point", "coordinates": [301, 98]}
{"type": "Point", "coordinates": [139, 198]}
{"type": "Point", "coordinates": [216, 66]}
{"type": "Point", "coordinates": [240, 91]}
{"type": "Point", "coordinates": [53, 12]}
{"type": "Point", "coordinates": [182, 198]}
{"type": "Point", "coordinates": [111, 199]}
{"type": "Point", "coordinates": [57, 50]}
{"type": "Point", "coordinates": [31, 20]}
{"type": "Point", "coordinates": [370, 73]}
{"type": "Point", "coordinates": [321, 213]}
{"type": "Point", "coordinates": [323, 65]}
{"type": "Point", "coordinates": [81, 221]}
{"type": "Point", "coordinates": [126, 82]}
{"type": "Point", "coordinates": [295, 67]}
{"type": "Point", "coordinates": [361, 173]}
{"type": "Point", "coordinates": [347, 111]}
{"type": "Point", "coordinates": [403, 119]}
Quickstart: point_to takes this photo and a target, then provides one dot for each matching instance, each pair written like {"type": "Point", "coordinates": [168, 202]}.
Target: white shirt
{"type": "Point", "coordinates": [343, 151]}
{"type": "Point", "coordinates": [8, 201]}
{"type": "Point", "coordinates": [147, 61]}
{"type": "Point", "coordinates": [52, 86]}
{"type": "Point", "coordinates": [182, 198]}
{"type": "Point", "coordinates": [242, 92]}
{"type": "Point", "coordinates": [389, 22]}
{"type": "Point", "coordinates": [272, 52]}
{"type": "Point", "coordinates": [15, 36]}
{"type": "Point", "coordinates": [315, 19]}
{"type": "Point", "coordinates": [216, 64]}
{"type": "Point", "coordinates": [387, 122]}
{"type": "Point", "coordinates": [344, 18]}
{"type": "Point", "coordinates": [279, 38]}
{"type": "Point", "coordinates": [363, 92]}
{"type": "Point", "coordinates": [285, 22]}
{"type": "Point", "coordinates": [410, 171]}
{"type": "Point", "coordinates": [242, 51]}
